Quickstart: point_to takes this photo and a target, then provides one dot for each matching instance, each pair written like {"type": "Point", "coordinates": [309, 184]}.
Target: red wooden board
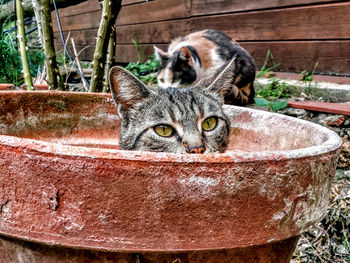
{"type": "Point", "coordinates": [338, 108]}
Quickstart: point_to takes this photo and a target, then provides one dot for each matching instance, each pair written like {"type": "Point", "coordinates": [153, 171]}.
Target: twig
{"type": "Point", "coordinates": [315, 250]}
{"type": "Point", "coordinates": [78, 63]}
{"type": "Point", "coordinates": [64, 59]}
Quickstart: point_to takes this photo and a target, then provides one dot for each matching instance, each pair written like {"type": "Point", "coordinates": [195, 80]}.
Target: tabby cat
{"type": "Point", "coordinates": [188, 120]}
{"type": "Point", "coordinates": [199, 55]}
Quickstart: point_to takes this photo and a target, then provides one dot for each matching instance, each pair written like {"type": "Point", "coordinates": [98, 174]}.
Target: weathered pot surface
{"type": "Point", "coordinates": [63, 180]}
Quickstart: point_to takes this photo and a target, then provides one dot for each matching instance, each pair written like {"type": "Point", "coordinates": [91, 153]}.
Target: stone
{"type": "Point", "coordinates": [324, 119]}
{"type": "Point", "coordinates": [294, 112]}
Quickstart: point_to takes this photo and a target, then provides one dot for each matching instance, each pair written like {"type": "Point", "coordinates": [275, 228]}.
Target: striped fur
{"type": "Point", "coordinates": [143, 108]}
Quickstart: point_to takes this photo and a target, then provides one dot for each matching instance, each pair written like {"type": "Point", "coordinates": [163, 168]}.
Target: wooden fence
{"type": "Point", "coordinates": [299, 33]}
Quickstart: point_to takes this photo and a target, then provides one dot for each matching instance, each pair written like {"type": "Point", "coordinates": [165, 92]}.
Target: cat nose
{"type": "Point", "coordinates": [197, 150]}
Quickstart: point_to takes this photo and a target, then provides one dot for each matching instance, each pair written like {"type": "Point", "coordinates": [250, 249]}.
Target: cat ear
{"type": "Point", "coordinates": [221, 82]}
{"type": "Point", "coordinates": [126, 88]}
{"type": "Point", "coordinates": [160, 55]}
{"type": "Point", "coordinates": [185, 55]}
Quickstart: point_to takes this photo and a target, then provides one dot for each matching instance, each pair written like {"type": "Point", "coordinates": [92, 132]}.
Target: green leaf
{"type": "Point", "coordinates": [155, 64]}
{"type": "Point", "coordinates": [145, 79]}
{"type": "Point", "coordinates": [261, 102]}
{"type": "Point", "coordinates": [136, 73]}
{"type": "Point", "coordinates": [278, 105]}
{"type": "Point", "coordinates": [143, 68]}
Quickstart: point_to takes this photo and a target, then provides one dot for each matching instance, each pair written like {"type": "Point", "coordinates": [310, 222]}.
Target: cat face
{"type": "Point", "coordinates": [179, 69]}
{"type": "Point", "coordinates": [188, 120]}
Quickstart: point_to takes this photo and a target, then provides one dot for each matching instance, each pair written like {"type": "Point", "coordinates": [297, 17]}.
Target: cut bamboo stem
{"type": "Point", "coordinates": [109, 60]}
{"type": "Point", "coordinates": [54, 79]}
{"type": "Point", "coordinates": [36, 9]}
{"type": "Point", "coordinates": [110, 10]}
{"type": "Point", "coordinates": [23, 45]}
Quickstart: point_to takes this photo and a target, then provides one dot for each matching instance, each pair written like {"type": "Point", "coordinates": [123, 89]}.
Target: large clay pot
{"type": "Point", "coordinates": [68, 194]}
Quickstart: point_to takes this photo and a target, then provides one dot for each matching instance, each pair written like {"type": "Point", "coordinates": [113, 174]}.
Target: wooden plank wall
{"type": "Point", "coordinates": [298, 32]}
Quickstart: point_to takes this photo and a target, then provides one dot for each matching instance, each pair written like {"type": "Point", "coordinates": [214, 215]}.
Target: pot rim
{"type": "Point", "coordinates": [332, 143]}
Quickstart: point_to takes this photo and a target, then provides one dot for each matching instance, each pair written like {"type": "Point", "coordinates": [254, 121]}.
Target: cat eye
{"type": "Point", "coordinates": [209, 123]}
{"type": "Point", "coordinates": [164, 130]}
{"type": "Point", "coordinates": [176, 79]}
{"type": "Point", "coordinates": [161, 80]}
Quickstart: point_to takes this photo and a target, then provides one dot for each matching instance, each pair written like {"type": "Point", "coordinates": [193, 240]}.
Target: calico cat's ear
{"type": "Point", "coordinates": [161, 55]}
{"type": "Point", "coordinates": [221, 82]}
{"type": "Point", "coordinates": [126, 88]}
{"type": "Point", "coordinates": [185, 55]}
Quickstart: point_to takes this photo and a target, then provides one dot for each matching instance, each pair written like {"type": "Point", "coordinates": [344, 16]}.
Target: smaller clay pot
{"type": "Point", "coordinates": [41, 86]}
{"type": "Point", "coordinates": [6, 86]}
{"type": "Point", "coordinates": [35, 86]}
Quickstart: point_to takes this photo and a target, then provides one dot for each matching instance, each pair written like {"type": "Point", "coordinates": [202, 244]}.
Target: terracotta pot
{"type": "Point", "coordinates": [6, 86]}
{"type": "Point", "coordinates": [68, 194]}
{"type": "Point", "coordinates": [44, 87]}
{"type": "Point", "coordinates": [41, 86]}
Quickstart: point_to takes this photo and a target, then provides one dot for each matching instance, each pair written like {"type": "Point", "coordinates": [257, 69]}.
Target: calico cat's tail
{"type": "Point", "coordinates": [240, 96]}
{"type": "Point", "coordinates": [242, 92]}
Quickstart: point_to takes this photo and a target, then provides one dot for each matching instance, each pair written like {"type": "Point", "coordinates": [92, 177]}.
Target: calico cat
{"type": "Point", "coordinates": [188, 120]}
{"type": "Point", "coordinates": [199, 55]}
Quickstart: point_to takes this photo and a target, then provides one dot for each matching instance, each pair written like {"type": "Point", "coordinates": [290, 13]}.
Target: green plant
{"type": "Point", "coordinates": [36, 60]}
{"type": "Point", "coordinates": [145, 71]}
{"type": "Point", "coordinates": [275, 89]}
{"type": "Point", "coordinates": [271, 105]}
{"type": "Point", "coordinates": [61, 58]}
{"type": "Point", "coordinates": [10, 59]}
{"type": "Point", "coordinates": [264, 70]}
{"type": "Point", "coordinates": [270, 95]}
{"type": "Point", "coordinates": [140, 54]}
{"type": "Point", "coordinates": [308, 77]}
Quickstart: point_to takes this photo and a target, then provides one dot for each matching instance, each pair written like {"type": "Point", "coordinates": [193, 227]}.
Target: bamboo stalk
{"type": "Point", "coordinates": [36, 9]}
{"type": "Point", "coordinates": [110, 10]}
{"type": "Point", "coordinates": [22, 44]}
{"type": "Point", "coordinates": [54, 79]}
{"type": "Point", "coordinates": [109, 59]}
